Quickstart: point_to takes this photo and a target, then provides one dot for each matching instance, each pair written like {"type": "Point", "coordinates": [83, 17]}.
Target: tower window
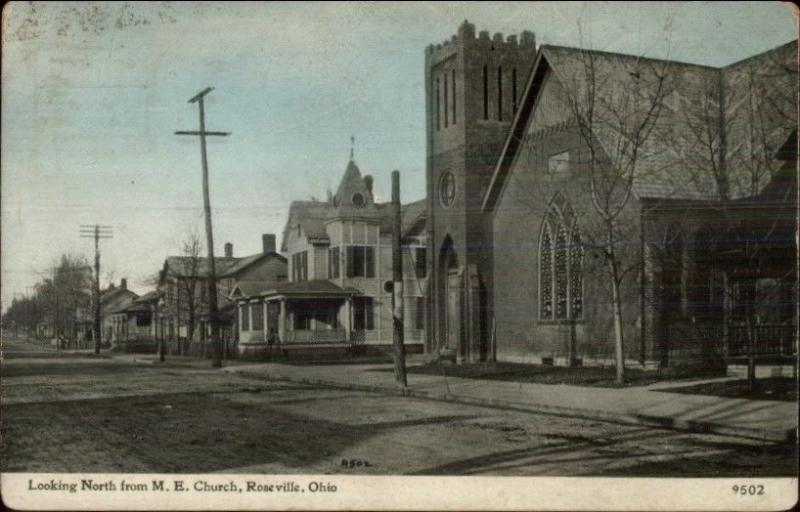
{"type": "Point", "coordinates": [453, 85]}
{"type": "Point", "coordinates": [499, 93]}
{"type": "Point", "coordinates": [360, 261]}
{"type": "Point", "coordinates": [438, 117]}
{"type": "Point", "coordinates": [514, 88]}
{"type": "Point", "coordinates": [446, 115]}
{"type": "Point", "coordinates": [485, 93]}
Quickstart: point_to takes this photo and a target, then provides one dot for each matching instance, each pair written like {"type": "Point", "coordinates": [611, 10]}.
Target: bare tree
{"type": "Point", "coordinates": [733, 138]}
{"type": "Point", "coordinates": [189, 282]}
{"type": "Point", "coordinates": [615, 110]}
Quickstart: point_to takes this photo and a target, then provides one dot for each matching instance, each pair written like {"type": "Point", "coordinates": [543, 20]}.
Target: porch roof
{"type": "Point", "coordinates": [318, 288]}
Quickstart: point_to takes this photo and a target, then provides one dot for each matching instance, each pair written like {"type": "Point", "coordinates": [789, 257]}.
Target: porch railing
{"type": "Point", "coordinates": [316, 336]}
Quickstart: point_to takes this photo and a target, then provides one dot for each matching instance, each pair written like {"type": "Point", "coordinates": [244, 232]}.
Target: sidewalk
{"type": "Point", "coordinates": [766, 420]}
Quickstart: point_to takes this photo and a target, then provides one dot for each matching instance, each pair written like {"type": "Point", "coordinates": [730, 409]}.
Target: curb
{"type": "Point", "coordinates": [664, 422]}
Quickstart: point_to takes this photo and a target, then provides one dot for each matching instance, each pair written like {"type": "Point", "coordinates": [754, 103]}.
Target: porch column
{"type": "Point", "coordinates": [282, 321]}
{"type": "Point", "coordinates": [348, 317]}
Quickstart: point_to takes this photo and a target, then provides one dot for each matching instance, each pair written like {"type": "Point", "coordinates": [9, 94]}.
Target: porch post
{"type": "Point", "coordinates": [282, 321]}
{"type": "Point", "coordinates": [348, 318]}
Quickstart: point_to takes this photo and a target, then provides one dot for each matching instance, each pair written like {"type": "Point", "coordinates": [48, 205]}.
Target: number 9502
{"type": "Point", "coordinates": [748, 490]}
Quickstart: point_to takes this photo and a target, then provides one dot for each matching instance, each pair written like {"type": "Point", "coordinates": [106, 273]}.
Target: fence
{"type": "Point", "coordinates": [770, 340]}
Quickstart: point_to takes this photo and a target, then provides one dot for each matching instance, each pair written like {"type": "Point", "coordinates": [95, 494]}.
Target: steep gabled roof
{"type": "Point", "coordinates": [668, 165]}
{"type": "Point", "coordinates": [247, 261]}
{"type": "Point", "coordinates": [310, 215]}
{"type": "Point", "coordinates": [181, 266]}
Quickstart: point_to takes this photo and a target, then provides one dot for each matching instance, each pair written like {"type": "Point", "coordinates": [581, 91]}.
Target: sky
{"type": "Point", "coordinates": [93, 91]}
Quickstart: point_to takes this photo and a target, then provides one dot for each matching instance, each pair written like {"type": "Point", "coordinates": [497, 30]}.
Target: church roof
{"type": "Point", "coordinates": [670, 164]}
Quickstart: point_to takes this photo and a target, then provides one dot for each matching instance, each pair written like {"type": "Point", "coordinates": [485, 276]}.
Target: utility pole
{"type": "Point", "coordinates": [212, 271]}
{"type": "Point", "coordinates": [97, 232]}
{"type": "Point", "coordinates": [397, 286]}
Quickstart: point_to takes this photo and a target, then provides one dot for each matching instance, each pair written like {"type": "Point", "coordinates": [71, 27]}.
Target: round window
{"type": "Point", "coordinates": [358, 200]}
{"type": "Point", "coordinates": [447, 189]}
{"type": "Point", "coordinates": [388, 286]}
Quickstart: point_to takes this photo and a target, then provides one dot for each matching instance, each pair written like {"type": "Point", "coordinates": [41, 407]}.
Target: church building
{"type": "Point", "coordinates": [554, 173]}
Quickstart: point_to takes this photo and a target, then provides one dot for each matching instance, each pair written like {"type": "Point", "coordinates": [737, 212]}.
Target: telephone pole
{"type": "Point", "coordinates": [97, 232]}
{"type": "Point", "coordinates": [397, 286]}
{"type": "Point", "coordinates": [212, 271]}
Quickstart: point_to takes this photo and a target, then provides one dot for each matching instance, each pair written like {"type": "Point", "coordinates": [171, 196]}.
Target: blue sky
{"type": "Point", "coordinates": [93, 91]}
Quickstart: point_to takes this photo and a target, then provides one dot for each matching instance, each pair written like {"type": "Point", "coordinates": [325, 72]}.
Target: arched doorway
{"type": "Point", "coordinates": [447, 303]}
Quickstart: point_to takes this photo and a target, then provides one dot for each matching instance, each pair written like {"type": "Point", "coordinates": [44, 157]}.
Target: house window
{"type": "Point", "coordinates": [363, 314]}
{"type": "Point", "coordinates": [421, 263]}
{"type": "Point", "coordinates": [360, 261]}
{"type": "Point", "coordinates": [300, 266]}
{"type": "Point", "coordinates": [333, 262]}
{"type": "Point", "coordinates": [244, 318]}
{"type": "Point", "coordinates": [257, 314]}
{"type": "Point", "coordinates": [143, 320]}
{"type": "Point", "coordinates": [560, 265]}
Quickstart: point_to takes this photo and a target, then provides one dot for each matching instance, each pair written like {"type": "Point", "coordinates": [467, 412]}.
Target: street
{"type": "Point", "coordinates": [85, 414]}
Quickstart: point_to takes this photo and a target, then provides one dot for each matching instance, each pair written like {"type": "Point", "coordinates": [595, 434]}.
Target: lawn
{"type": "Point", "coordinates": [774, 388]}
{"type": "Point", "coordinates": [593, 376]}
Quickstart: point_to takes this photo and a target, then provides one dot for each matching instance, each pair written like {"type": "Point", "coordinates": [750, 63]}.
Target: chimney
{"type": "Point", "coordinates": [123, 283]}
{"type": "Point", "coordinates": [368, 183]}
{"type": "Point", "coordinates": [268, 242]}
{"type": "Point", "coordinates": [228, 250]}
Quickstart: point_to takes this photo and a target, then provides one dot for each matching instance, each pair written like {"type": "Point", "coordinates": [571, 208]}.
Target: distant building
{"type": "Point", "coordinates": [113, 299]}
{"type": "Point", "coordinates": [139, 329]}
{"type": "Point", "coordinates": [180, 274]}
{"type": "Point", "coordinates": [340, 276]}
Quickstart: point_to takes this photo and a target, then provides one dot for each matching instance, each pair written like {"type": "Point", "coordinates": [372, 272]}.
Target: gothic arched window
{"type": "Point", "coordinates": [560, 264]}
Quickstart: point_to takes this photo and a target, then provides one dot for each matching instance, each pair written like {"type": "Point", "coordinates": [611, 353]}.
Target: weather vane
{"type": "Point", "coordinates": [352, 143]}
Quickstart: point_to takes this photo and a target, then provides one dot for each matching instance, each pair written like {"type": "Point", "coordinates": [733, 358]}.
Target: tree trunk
{"type": "Point", "coordinates": [618, 340]}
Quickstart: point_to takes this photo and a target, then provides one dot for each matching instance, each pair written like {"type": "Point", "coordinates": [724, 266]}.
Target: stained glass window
{"type": "Point", "coordinates": [561, 273]}
{"type": "Point", "coordinates": [576, 275]}
{"type": "Point", "coordinates": [546, 274]}
{"type": "Point", "coordinates": [560, 264]}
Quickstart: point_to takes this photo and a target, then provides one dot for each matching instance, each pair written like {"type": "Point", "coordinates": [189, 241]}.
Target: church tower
{"type": "Point", "coordinates": [473, 88]}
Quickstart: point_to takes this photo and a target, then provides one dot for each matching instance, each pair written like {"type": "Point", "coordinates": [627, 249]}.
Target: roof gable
{"type": "Point", "coordinates": [667, 165]}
